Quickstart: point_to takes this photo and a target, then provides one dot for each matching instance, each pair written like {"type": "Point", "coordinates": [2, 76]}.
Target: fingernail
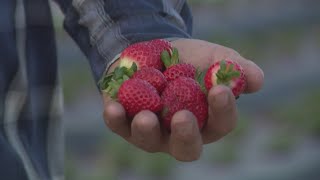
{"type": "Point", "coordinates": [183, 126]}
{"type": "Point", "coordinates": [185, 129]}
{"type": "Point", "coordinates": [221, 100]}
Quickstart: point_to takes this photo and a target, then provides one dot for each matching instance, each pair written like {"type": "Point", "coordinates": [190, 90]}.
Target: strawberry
{"type": "Point", "coordinates": [184, 70]}
{"type": "Point", "coordinates": [162, 45]}
{"type": "Point", "coordinates": [228, 73]}
{"type": "Point", "coordinates": [152, 76]}
{"type": "Point", "coordinates": [174, 69]}
{"type": "Point", "coordinates": [145, 54]}
{"type": "Point", "coordinates": [184, 93]}
{"type": "Point", "coordinates": [136, 95]}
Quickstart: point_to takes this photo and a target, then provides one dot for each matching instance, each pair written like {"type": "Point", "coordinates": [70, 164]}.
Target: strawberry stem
{"type": "Point", "coordinates": [169, 61]}
{"type": "Point", "coordinates": [226, 73]}
{"type": "Point", "coordinates": [175, 56]}
{"type": "Point", "coordinates": [165, 57]}
{"type": "Point", "coordinates": [111, 83]}
{"type": "Point", "coordinates": [199, 77]}
{"type": "Point", "coordinates": [131, 70]}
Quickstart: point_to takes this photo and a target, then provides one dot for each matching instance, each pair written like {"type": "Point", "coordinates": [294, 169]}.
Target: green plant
{"type": "Point", "coordinates": [303, 115]}
{"type": "Point", "coordinates": [281, 143]}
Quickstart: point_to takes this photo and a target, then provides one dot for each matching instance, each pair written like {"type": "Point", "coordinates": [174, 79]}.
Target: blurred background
{"type": "Point", "coordinates": [278, 132]}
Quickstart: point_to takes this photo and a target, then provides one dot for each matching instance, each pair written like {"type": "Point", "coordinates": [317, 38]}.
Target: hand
{"type": "Point", "coordinates": [185, 141]}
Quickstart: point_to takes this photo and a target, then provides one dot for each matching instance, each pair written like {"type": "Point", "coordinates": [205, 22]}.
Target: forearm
{"type": "Point", "coordinates": [103, 28]}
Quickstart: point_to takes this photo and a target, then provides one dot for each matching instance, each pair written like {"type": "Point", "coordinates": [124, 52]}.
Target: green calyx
{"type": "Point", "coordinates": [111, 83]}
{"type": "Point", "coordinates": [226, 73]}
{"type": "Point", "coordinates": [199, 77]}
{"type": "Point", "coordinates": [170, 60]}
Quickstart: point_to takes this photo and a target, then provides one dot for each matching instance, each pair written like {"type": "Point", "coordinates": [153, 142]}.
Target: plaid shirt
{"type": "Point", "coordinates": [31, 131]}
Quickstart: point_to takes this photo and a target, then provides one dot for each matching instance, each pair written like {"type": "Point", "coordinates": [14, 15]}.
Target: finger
{"type": "Point", "coordinates": [145, 131]}
{"type": "Point", "coordinates": [222, 114]}
{"type": "Point", "coordinates": [185, 143]}
{"type": "Point", "coordinates": [254, 75]}
{"type": "Point", "coordinates": [115, 118]}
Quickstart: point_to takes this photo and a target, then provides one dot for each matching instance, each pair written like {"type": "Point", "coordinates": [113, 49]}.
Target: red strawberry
{"type": "Point", "coordinates": [136, 95]}
{"type": "Point", "coordinates": [174, 69]}
{"type": "Point", "coordinates": [184, 93]}
{"type": "Point", "coordinates": [152, 76]}
{"type": "Point", "coordinates": [162, 45]}
{"type": "Point", "coordinates": [145, 54]}
{"type": "Point", "coordinates": [184, 70]}
{"type": "Point", "coordinates": [228, 73]}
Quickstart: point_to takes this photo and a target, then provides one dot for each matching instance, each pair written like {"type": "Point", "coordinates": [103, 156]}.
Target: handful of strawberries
{"type": "Point", "coordinates": [150, 77]}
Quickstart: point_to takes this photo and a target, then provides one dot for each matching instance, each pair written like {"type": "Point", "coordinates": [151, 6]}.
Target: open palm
{"type": "Point", "coordinates": [185, 142]}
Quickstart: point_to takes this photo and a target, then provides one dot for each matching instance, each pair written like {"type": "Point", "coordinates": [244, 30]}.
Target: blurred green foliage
{"type": "Point", "coordinates": [293, 120]}
{"type": "Point", "coordinates": [317, 35]}
{"type": "Point", "coordinates": [302, 116]}
{"type": "Point", "coordinates": [281, 143]}
{"type": "Point", "coordinates": [70, 168]}
{"type": "Point", "coordinates": [118, 158]}
{"type": "Point", "coordinates": [76, 79]}
{"type": "Point", "coordinates": [122, 155]}
{"type": "Point", "coordinates": [225, 151]}
{"type": "Point", "coordinates": [258, 44]}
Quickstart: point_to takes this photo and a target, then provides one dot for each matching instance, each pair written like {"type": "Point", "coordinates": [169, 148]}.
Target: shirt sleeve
{"type": "Point", "coordinates": [104, 28]}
